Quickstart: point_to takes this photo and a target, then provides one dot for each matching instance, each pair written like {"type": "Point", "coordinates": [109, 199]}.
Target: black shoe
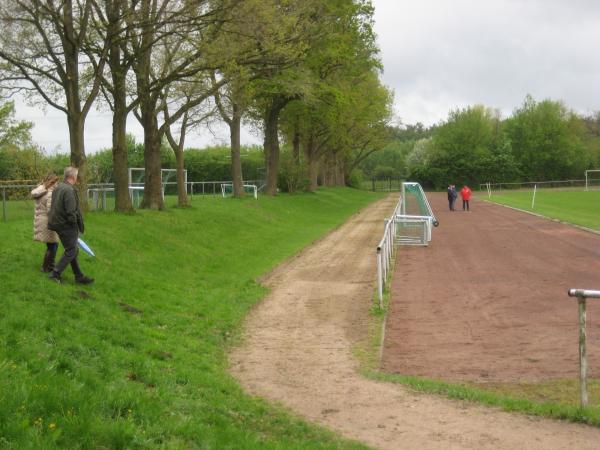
{"type": "Point", "coordinates": [84, 280]}
{"type": "Point", "coordinates": [55, 276]}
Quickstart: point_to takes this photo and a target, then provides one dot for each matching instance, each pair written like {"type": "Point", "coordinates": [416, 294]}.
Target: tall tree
{"type": "Point", "coordinates": [110, 26]}
{"type": "Point", "coordinates": [42, 44]}
{"type": "Point", "coordinates": [168, 44]}
{"type": "Point", "coordinates": [546, 140]}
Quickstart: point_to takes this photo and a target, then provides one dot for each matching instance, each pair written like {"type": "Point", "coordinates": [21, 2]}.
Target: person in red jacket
{"type": "Point", "coordinates": [465, 194]}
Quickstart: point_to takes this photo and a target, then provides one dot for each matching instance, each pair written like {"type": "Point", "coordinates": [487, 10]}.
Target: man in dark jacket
{"type": "Point", "coordinates": [452, 194]}
{"type": "Point", "coordinates": [65, 218]}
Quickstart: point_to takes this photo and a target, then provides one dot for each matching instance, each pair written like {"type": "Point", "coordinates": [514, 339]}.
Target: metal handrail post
{"type": "Point", "coordinates": [379, 279]}
{"type": "Point", "coordinates": [582, 295]}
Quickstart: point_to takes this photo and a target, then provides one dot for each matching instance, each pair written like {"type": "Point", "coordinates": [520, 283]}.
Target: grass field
{"type": "Point", "coordinates": [576, 207]}
{"type": "Point", "coordinates": [138, 360]}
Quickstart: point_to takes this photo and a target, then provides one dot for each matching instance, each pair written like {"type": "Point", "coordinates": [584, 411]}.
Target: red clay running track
{"type": "Point", "coordinates": [487, 300]}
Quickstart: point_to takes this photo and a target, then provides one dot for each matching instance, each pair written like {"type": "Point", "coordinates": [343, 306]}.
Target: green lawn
{"type": "Point", "coordinates": [576, 207]}
{"type": "Point", "coordinates": [138, 360]}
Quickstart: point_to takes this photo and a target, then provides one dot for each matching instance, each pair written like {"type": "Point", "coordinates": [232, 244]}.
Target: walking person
{"type": "Point", "coordinates": [465, 194]}
{"type": "Point", "coordinates": [451, 196]}
{"type": "Point", "coordinates": [65, 218]}
{"type": "Point", "coordinates": [42, 195]}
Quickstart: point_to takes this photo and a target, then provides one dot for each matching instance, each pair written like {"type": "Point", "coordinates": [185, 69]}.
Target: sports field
{"type": "Point", "coordinates": [487, 300]}
{"type": "Point", "coordinates": [576, 206]}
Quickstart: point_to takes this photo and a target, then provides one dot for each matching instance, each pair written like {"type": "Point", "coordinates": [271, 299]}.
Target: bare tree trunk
{"type": "Point", "coordinates": [75, 116]}
{"type": "Point", "coordinates": [182, 197]}
{"type": "Point", "coordinates": [272, 142]}
{"type": "Point", "coordinates": [152, 181]}
{"type": "Point", "coordinates": [119, 131]}
{"type": "Point", "coordinates": [236, 159]}
{"type": "Point", "coordinates": [296, 147]}
{"type": "Point", "coordinates": [76, 124]}
{"type": "Point", "coordinates": [313, 164]}
{"type": "Point", "coordinates": [271, 149]}
{"type": "Point", "coordinates": [340, 178]}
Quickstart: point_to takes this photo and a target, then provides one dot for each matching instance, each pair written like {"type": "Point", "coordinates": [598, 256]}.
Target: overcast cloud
{"type": "Point", "coordinates": [439, 55]}
{"type": "Point", "coordinates": [444, 54]}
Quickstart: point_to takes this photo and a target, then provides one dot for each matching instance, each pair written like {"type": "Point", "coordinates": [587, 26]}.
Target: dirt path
{"type": "Point", "coordinates": [496, 305]}
{"type": "Point", "coordinates": [297, 352]}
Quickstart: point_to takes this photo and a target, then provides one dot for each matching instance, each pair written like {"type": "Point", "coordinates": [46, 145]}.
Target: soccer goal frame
{"type": "Point", "coordinates": [227, 189]}
{"type": "Point", "coordinates": [138, 183]}
{"type": "Point", "coordinates": [587, 185]}
{"type": "Point", "coordinates": [165, 176]}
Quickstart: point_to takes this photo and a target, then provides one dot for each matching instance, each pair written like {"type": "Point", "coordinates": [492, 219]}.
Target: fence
{"type": "Point", "coordinates": [556, 184]}
{"type": "Point", "coordinates": [17, 204]}
{"type": "Point", "coordinates": [385, 251]}
{"type": "Point", "coordinates": [382, 184]}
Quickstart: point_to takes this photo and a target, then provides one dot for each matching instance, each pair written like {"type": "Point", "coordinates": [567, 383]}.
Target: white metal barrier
{"type": "Point", "coordinates": [402, 229]}
{"type": "Point", "coordinates": [385, 252]}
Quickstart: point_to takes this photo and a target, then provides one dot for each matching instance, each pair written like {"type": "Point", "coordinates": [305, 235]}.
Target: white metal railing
{"type": "Point", "coordinates": [98, 191]}
{"type": "Point", "coordinates": [385, 251]}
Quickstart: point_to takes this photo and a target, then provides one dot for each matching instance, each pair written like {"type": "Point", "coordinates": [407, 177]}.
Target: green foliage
{"type": "Point", "coordinates": [546, 141]}
{"type": "Point", "coordinates": [464, 149]}
{"type": "Point", "coordinates": [139, 359]}
{"type": "Point", "coordinates": [355, 179]}
{"type": "Point", "coordinates": [292, 176]}
{"type": "Point", "coordinates": [214, 163]}
{"type": "Point", "coordinates": [540, 141]}
{"type": "Point", "coordinates": [13, 133]}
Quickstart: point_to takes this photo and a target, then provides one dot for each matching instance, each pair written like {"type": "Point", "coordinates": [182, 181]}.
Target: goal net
{"type": "Point", "coordinates": [415, 218]}
{"type": "Point", "coordinates": [168, 179]}
{"type": "Point", "coordinates": [592, 179]}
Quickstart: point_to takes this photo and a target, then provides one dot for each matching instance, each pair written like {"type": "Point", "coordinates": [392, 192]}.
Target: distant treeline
{"type": "Point", "coordinates": [540, 141]}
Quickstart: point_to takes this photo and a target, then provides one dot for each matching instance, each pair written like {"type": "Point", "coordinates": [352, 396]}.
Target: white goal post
{"type": "Point", "coordinates": [227, 189]}
{"type": "Point", "coordinates": [137, 178]}
{"type": "Point", "coordinates": [590, 180]}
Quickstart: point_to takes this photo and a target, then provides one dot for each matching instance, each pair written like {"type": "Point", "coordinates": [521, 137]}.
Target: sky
{"type": "Point", "coordinates": [438, 55]}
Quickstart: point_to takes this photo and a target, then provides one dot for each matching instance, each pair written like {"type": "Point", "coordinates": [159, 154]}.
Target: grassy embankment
{"type": "Point", "coordinates": [555, 398]}
{"type": "Point", "coordinates": [138, 360]}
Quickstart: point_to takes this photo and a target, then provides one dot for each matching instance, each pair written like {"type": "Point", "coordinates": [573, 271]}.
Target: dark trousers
{"type": "Point", "coordinates": [52, 246]}
{"type": "Point", "coordinates": [68, 238]}
{"type": "Point", "coordinates": [451, 204]}
{"type": "Point", "coordinates": [465, 205]}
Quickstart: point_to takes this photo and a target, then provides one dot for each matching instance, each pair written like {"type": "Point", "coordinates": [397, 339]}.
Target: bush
{"type": "Point", "coordinates": [355, 179]}
{"type": "Point", "coordinates": [292, 177]}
